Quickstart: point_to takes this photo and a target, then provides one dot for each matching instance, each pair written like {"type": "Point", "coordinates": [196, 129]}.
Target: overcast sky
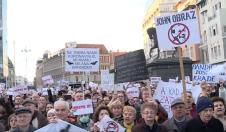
{"type": "Point", "coordinates": [42, 25]}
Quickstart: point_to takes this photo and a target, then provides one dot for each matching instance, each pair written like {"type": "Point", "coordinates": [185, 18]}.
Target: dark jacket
{"type": "Point", "coordinates": [196, 125]}
{"type": "Point", "coordinates": [42, 121]}
{"type": "Point", "coordinates": [30, 129]}
{"type": "Point", "coordinates": [145, 128]}
{"type": "Point", "coordinates": [172, 127]}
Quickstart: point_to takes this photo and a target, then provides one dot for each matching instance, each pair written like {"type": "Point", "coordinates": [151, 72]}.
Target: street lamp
{"type": "Point", "coordinates": [26, 51]}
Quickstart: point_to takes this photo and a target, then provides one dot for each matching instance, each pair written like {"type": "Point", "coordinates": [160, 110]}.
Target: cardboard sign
{"type": "Point", "coordinates": [166, 92]}
{"type": "Point", "coordinates": [133, 92]}
{"type": "Point", "coordinates": [82, 107]}
{"type": "Point", "coordinates": [177, 29]}
{"type": "Point", "coordinates": [108, 125]}
{"type": "Point", "coordinates": [82, 59]}
{"type": "Point", "coordinates": [60, 126]}
{"type": "Point", "coordinates": [47, 80]}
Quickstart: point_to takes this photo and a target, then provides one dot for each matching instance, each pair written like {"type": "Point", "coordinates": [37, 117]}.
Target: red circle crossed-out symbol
{"type": "Point", "coordinates": [178, 33]}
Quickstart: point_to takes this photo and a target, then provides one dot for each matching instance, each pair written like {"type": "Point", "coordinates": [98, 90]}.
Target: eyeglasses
{"type": "Point", "coordinates": [150, 113]}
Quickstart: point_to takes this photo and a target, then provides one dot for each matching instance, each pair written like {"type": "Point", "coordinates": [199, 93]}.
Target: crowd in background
{"type": "Point", "coordinates": [27, 113]}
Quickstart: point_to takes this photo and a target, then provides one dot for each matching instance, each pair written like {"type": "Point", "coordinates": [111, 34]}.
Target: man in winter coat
{"type": "Point", "coordinates": [204, 122]}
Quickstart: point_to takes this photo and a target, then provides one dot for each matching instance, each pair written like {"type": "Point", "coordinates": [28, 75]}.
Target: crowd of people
{"type": "Point", "coordinates": [27, 113]}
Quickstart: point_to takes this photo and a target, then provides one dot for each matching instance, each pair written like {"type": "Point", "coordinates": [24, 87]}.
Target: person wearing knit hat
{"type": "Point", "coordinates": [204, 122]}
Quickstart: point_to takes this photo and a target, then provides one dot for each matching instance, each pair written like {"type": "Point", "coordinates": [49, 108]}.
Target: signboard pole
{"type": "Point", "coordinates": [182, 72]}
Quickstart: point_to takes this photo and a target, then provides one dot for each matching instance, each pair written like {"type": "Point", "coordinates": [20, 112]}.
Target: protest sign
{"type": "Point", "coordinates": [82, 107]}
{"type": "Point", "coordinates": [60, 126]}
{"type": "Point", "coordinates": [166, 92]}
{"type": "Point", "coordinates": [107, 80]}
{"type": "Point", "coordinates": [20, 90]}
{"type": "Point", "coordinates": [82, 59]}
{"type": "Point", "coordinates": [63, 83]}
{"type": "Point", "coordinates": [47, 80]}
{"type": "Point", "coordinates": [133, 92]}
{"type": "Point", "coordinates": [44, 91]}
{"type": "Point", "coordinates": [155, 80]}
{"type": "Point", "coordinates": [108, 125]}
{"type": "Point", "coordinates": [177, 29]}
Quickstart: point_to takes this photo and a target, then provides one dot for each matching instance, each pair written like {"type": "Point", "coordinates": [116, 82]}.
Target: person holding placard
{"type": "Point", "coordinates": [84, 122]}
{"type": "Point", "coordinates": [99, 113]}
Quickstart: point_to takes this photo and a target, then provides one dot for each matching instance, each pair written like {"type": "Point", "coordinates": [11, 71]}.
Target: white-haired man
{"type": "Point", "coordinates": [62, 110]}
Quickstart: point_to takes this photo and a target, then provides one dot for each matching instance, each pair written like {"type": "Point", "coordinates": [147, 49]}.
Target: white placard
{"type": "Point", "coordinates": [60, 126]}
{"type": "Point", "coordinates": [47, 80]}
{"type": "Point", "coordinates": [107, 80]}
{"type": "Point", "coordinates": [155, 80]}
{"type": "Point", "coordinates": [20, 89]}
{"type": "Point", "coordinates": [133, 92]}
{"type": "Point", "coordinates": [166, 92]}
{"type": "Point", "coordinates": [82, 107]}
{"type": "Point", "coordinates": [44, 91]}
{"type": "Point", "coordinates": [82, 59]}
{"type": "Point", "coordinates": [2, 87]}
{"type": "Point", "coordinates": [177, 29]}
{"type": "Point", "coordinates": [108, 125]}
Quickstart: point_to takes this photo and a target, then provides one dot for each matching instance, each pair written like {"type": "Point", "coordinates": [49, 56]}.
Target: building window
{"type": "Point", "coordinates": [214, 32]}
{"type": "Point", "coordinates": [212, 52]}
{"type": "Point", "coordinates": [224, 29]}
{"type": "Point", "coordinates": [76, 78]}
{"type": "Point", "coordinates": [191, 52]}
{"type": "Point", "coordinates": [215, 52]}
{"type": "Point", "coordinates": [219, 4]}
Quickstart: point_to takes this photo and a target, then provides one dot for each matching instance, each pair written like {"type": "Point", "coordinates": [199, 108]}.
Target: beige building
{"type": "Point", "coordinates": [54, 65]}
{"type": "Point", "coordinates": [157, 8]}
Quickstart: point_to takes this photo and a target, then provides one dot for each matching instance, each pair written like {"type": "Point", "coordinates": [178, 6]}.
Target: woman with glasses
{"type": "Point", "coordinates": [148, 113]}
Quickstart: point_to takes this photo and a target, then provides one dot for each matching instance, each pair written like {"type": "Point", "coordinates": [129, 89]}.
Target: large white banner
{"type": "Point", "coordinates": [82, 59]}
{"type": "Point", "coordinates": [82, 107]}
{"type": "Point", "coordinates": [47, 80]}
{"type": "Point", "coordinates": [60, 126]}
{"type": "Point", "coordinates": [166, 92]}
{"type": "Point", "coordinates": [177, 29]}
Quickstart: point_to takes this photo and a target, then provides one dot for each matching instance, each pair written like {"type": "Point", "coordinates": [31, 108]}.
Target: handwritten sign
{"type": "Point", "coordinates": [166, 92]}
{"type": "Point", "coordinates": [47, 80]}
{"type": "Point", "coordinates": [155, 80]}
{"type": "Point", "coordinates": [176, 29]}
{"type": "Point", "coordinates": [82, 107]}
{"type": "Point", "coordinates": [82, 59]}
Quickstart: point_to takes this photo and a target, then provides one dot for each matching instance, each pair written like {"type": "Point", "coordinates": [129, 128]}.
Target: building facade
{"type": "Point", "coordinates": [213, 31]}
{"type": "Point", "coordinates": [3, 42]}
{"type": "Point", "coordinates": [54, 65]}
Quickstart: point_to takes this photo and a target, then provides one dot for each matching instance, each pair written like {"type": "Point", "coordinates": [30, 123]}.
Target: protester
{"type": "Point", "coordinates": [179, 119]}
{"type": "Point", "coordinates": [106, 100]}
{"type": "Point", "coordinates": [24, 116]}
{"type": "Point", "coordinates": [116, 108]}
{"type": "Point", "coordinates": [49, 106]}
{"type": "Point", "coordinates": [42, 102]}
{"type": "Point", "coordinates": [148, 112]}
{"type": "Point", "coordinates": [121, 97]}
{"type": "Point", "coordinates": [5, 111]}
{"type": "Point", "coordinates": [99, 113]}
{"type": "Point", "coordinates": [51, 116]}
{"type": "Point", "coordinates": [219, 109]}
{"type": "Point", "coordinates": [78, 95]}
{"type": "Point", "coordinates": [18, 102]}
{"type": "Point", "coordinates": [222, 90]}
{"type": "Point", "coordinates": [129, 116]}
{"type": "Point", "coordinates": [190, 105]}
{"type": "Point", "coordinates": [38, 119]}
{"type": "Point", "coordinates": [205, 89]}
{"type": "Point", "coordinates": [204, 122]}
{"type": "Point", "coordinates": [84, 122]}
{"type": "Point", "coordinates": [12, 122]}
{"type": "Point", "coordinates": [35, 97]}
{"type": "Point", "coordinates": [62, 111]}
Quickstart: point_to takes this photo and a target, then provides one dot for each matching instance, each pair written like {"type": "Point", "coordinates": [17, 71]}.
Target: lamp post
{"type": "Point", "coordinates": [26, 51]}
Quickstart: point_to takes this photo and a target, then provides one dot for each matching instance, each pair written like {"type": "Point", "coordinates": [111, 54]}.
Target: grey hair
{"type": "Point", "coordinates": [65, 103]}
